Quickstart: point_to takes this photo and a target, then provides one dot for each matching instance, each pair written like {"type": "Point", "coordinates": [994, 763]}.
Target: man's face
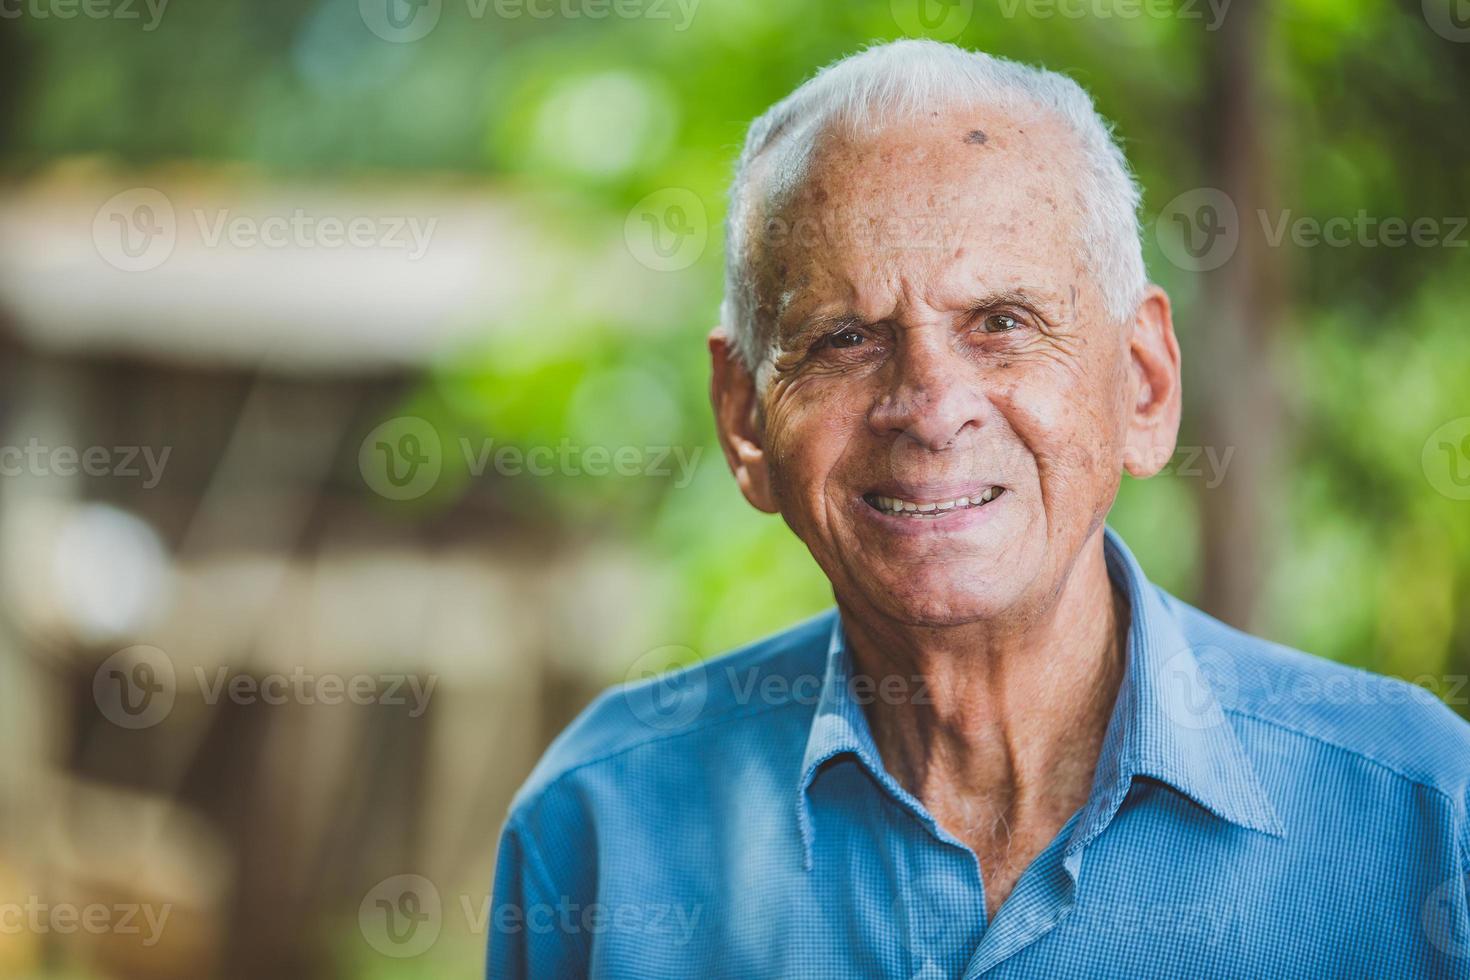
{"type": "Point", "coordinates": [945, 417]}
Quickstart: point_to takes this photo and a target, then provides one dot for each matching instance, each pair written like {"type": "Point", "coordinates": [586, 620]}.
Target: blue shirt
{"type": "Point", "coordinates": [1256, 812]}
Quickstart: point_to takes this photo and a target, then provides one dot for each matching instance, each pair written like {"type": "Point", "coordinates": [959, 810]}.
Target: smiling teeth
{"type": "Point", "coordinates": [894, 505]}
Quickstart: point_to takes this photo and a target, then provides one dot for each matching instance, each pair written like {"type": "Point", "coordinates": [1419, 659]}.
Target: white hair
{"type": "Point", "coordinates": [890, 82]}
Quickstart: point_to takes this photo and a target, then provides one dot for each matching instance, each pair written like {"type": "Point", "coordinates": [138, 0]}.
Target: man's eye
{"type": "Point", "coordinates": [846, 338]}
{"type": "Point", "coordinates": [1000, 323]}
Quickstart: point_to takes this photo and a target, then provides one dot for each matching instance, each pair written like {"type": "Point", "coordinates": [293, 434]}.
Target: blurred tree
{"type": "Point", "coordinates": [1323, 369]}
{"type": "Point", "coordinates": [1240, 408]}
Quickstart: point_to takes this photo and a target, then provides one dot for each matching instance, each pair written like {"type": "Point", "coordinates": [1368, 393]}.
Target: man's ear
{"type": "Point", "coordinates": [733, 395]}
{"type": "Point", "coordinates": [1154, 390]}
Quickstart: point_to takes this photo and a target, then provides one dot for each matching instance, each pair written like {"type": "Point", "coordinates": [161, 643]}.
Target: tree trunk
{"type": "Point", "coordinates": [1240, 311]}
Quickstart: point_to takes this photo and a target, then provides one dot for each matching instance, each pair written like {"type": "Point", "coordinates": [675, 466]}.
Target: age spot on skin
{"type": "Point", "coordinates": [976, 137]}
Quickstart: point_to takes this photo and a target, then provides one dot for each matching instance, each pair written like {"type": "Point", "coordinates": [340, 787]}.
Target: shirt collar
{"type": "Point", "coordinates": [1167, 724]}
{"type": "Point", "coordinates": [839, 727]}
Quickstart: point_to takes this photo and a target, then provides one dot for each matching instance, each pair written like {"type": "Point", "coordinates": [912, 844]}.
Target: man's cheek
{"type": "Point", "coordinates": [1066, 419]}
{"type": "Point", "coordinates": [791, 464]}
{"type": "Point", "coordinates": [827, 415]}
{"type": "Point", "coordinates": [1070, 455]}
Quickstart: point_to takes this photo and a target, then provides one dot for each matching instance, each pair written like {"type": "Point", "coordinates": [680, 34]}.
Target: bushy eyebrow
{"type": "Point", "coordinates": [1005, 297]}
{"type": "Point", "coordinates": [824, 325]}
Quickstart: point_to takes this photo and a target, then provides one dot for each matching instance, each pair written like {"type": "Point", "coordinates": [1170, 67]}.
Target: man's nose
{"type": "Point", "coordinates": [933, 395]}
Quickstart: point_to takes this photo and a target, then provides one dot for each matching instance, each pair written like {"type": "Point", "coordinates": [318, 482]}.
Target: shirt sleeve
{"type": "Point", "coordinates": [534, 928]}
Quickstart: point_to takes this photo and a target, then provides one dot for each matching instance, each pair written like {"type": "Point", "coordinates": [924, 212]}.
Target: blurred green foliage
{"type": "Point", "coordinates": [1366, 110]}
{"type": "Point", "coordinates": [582, 118]}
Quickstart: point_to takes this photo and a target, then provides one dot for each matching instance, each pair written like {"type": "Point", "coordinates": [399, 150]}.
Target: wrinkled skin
{"type": "Point", "coordinates": [938, 330]}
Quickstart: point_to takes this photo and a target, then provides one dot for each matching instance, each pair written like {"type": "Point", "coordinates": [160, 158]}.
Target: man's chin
{"type": "Point", "coordinates": [940, 604]}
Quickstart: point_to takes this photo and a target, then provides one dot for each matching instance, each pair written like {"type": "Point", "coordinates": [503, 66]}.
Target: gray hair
{"type": "Point", "coordinates": [890, 82]}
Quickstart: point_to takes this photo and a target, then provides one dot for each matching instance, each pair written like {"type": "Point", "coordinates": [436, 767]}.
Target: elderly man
{"type": "Point", "coordinates": [1005, 753]}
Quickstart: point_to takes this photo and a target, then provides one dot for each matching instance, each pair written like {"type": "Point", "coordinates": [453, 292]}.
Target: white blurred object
{"type": "Point", "coordinates": [111, 573]}
{"type": "Point", "coordinates": [87, 572]}
{"type": "Point", "coordinates": [221, 267]}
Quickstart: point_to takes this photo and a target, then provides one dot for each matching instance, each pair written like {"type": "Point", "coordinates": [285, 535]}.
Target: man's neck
{"type": "Point", "coordinates": [1002, 739]}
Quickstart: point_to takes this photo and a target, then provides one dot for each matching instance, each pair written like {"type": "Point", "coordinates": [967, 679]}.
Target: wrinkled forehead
{"type": "Point", "coordinates": [997, 192]}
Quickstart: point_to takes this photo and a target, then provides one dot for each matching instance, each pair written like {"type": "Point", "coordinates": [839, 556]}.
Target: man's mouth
{"type": "Point", "coordinates": [929, 509]}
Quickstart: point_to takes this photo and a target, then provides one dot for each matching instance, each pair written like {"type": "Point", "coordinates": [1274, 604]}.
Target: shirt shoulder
{"type": "Point", "coordinates": [1403, 727]}
{"type": "Point", "coordinates": [688, 702]}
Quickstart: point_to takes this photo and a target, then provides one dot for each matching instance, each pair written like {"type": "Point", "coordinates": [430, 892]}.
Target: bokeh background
{"type": "Point", "coordinates": [353, 425]}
